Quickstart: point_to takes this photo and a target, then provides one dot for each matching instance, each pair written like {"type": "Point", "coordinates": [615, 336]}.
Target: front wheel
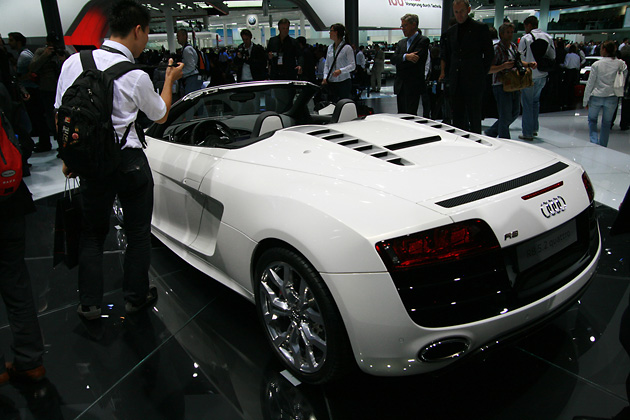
{"type": "Point", "coordinates": [300, 318]}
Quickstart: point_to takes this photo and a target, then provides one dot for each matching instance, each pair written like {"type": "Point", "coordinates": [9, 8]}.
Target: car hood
{"type": "Point", "coordinates": [410, 157]}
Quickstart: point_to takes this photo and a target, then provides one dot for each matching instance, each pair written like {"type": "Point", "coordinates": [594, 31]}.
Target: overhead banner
{"type": "Point", "coordinates": [381, 13]}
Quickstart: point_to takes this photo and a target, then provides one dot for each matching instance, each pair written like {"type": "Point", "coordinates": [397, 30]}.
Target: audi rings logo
{"type": "Point", "coordinates": [554, 206]}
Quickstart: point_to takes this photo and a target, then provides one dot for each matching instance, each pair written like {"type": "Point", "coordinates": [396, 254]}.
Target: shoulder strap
{"type": "Point", "coordinates": [118, 69]}
{"type": "Point", "coordinates": [112, 50]}
{"type": "Point", "coordinates": [332, 66]}
{"type": "Point", "coordinates": [87, 60]}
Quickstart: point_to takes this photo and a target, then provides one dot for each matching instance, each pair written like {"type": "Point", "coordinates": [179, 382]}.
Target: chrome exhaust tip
{"type": "Point", "coordinates": [443, 350]}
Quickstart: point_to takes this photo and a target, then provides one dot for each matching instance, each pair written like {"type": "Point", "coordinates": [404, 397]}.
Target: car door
{"type": "Point", "coordinates": [178, 171]}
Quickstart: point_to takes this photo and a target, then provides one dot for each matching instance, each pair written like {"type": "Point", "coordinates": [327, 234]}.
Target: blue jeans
{"type": "Point", "coordinates": [530, 99]}
{"type": "Point", "coordinates": [509, 106]}
{"type": "Point", "coordinates": [596, 104]}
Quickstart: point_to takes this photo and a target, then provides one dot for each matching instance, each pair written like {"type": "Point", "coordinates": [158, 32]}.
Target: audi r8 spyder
{"type": "Point", "coordinates": [391, 242]}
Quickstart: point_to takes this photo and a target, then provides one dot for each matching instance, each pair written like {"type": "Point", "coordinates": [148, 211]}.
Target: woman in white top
{"type": "Point", "coordinates": [339, 64]}
{"type": "Point", "coordinates": [599, 94]}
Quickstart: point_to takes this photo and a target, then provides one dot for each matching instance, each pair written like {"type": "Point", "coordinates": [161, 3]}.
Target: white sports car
{"type": "Point", "coordinates": [392, 242]}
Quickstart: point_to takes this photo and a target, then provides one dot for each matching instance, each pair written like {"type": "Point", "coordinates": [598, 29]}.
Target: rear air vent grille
{"type": "Point", "coordinates": [353, 143]}
{"type": "Point", "coordinates": [447, 129]}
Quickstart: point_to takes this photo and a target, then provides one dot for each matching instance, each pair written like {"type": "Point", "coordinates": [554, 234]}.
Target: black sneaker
{"type": "Point", "coordinates": [152, 296]}
{"type": "Point", "coordinates": [89, 312]}
{"type": "Point", "coordinates": [39, 148]}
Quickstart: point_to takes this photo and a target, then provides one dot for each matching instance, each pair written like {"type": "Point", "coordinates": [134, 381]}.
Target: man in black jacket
{"type": "Point", "coordinates": [467, 53]}
{"type": "Point", "coordinates": [410, 59]}
{"type": "Point", "coordinates": [285, 57]}
{"type": "Point", "coordinates": [250, 61]}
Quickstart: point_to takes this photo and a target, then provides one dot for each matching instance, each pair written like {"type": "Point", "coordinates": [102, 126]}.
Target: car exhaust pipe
{"type": "Point", "coordinates": [442, 350]}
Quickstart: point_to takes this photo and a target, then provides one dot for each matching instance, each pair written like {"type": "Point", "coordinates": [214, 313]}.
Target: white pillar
{"type": "Point", "coordinates": [206, 23]}
{"type": "Point", "coordinates": [225, 35]}
{"type": "Point", "coordinates": [302, 26]}
{"type": "Point", "coordinates": [543, 20]}
{"type": "Point", "coordinates": [389, 36]}
{"type": "Point", "coordinates": [267, 34]}
{"type": "Point", "coordinates": [499, 13]}
{"type": "Point", "coordinates": [170, 29]}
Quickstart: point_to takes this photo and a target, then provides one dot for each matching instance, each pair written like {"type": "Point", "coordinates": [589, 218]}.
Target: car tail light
{"type": "Point", "coordinates": [445, 243]}
{"type": "Point", "coordinates": [589, 187]}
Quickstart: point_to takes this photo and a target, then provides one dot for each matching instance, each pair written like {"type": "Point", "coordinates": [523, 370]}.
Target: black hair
{"type": "Point", "coordinates": [246, 32]}
{"type": "Point", "coordinates": [18, 37]}
{"type": "Point", "coordinates": [531, 20]}
{"type": "Point", "coordinates": [125, 15]}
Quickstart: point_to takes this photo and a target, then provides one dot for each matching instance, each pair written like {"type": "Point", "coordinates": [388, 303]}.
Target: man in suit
{"type": "Point", "coordinates": [410, 59]}
{"type": "Point", "coordinates": [466, 53]}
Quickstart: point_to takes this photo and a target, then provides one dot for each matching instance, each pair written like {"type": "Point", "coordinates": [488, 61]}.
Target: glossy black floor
{"type": "Point", "coordinates": [200, 354]}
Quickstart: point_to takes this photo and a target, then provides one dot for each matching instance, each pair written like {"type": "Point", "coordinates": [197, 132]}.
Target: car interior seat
{"type": "Point", "coordinates": [266, 122]}
{"type": "Point", "coordinates": [345, 110]}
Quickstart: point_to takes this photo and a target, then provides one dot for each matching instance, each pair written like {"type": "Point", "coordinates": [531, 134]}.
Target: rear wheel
{"type": "Point", "coordinates": [300, 318]}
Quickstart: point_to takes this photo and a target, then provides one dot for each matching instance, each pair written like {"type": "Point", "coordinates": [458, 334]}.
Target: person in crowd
{"type": "Point", "coordinates": [284, 54]}
{"type": "Point", "coordinates": [250, 61]}
{"type": "Point", "coordinates": [377, 68]}
{"type": "Point", "coordinates": [410, 59]}
{"type": "Point", "coordinates": [34, 106]}
{"type": "Point", "coordinates": [624, 124]}
{"type": "Point", "coordinates": [132, 182]}
{"type": "Point", "coordinates": [467, 51]}
{"type": "Point", "coordinates": [15, 282]}
{"type": "Point", "coordinates": [15, 109]}
{"type": "Point", "coordinates": [320, 57]}
{"type": "Point", "coordinates": [599, 95]}
{"type": "Point", "coordinates": [571, 65]}
{"type": "Point", "coordinates": [361, 67]}
{"type": "Point", "coordinates": [508, 103]}
{"type": "Point", "coordinates": [530, 97]}
{"type": "Point", "coordinates": [308, 60]}
{"type": "Point", "coordinates": [191, 79]}
{"type": "Point", "coordinates": [339, 64]}
{"type": "Point", "coordinates": [436, 97]}
{"type": "Point", "coordinates": [46, 64]}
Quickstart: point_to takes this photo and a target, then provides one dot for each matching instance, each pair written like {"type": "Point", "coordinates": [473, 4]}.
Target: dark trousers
{"type": "Point", "coordinates": [340, 90]}
{"type": "Point", "coordinates": [625, 114]}
{"type": "Point", "coordinates": [134, 185]}
{"type": "Point", "coordinates": [36, 112]}
{"type": "Point", "coordinates": [15, 288]}
{"type": "Point", "coordinates": [467, 112]}
{"type": "Point", "coordinates": [408, 102]}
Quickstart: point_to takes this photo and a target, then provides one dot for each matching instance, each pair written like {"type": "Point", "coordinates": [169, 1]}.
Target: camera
{"type": "Point", "coordinates": [518, 63]}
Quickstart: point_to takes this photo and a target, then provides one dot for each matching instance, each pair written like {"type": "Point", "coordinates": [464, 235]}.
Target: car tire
{"type": "Point", "coordinates": [300, 319]}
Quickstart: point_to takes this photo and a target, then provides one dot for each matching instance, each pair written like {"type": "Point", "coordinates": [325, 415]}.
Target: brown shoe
{"type": "Point", "coordinates": [30, 375]}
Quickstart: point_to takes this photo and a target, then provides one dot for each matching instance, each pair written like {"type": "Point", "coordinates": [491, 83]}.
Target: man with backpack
{"type": "Point", "coordinates": [126, 173]}
{"type": "Point", "coordinates": [191, 79]}
{"type": "Point", "coordinates": [536, 47]}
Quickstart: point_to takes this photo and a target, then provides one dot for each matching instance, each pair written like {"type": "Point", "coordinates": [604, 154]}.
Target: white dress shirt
{"type": "Point", "coordinates": [345, 62]}
{"type": "Point", "coordinates": [133, 91]}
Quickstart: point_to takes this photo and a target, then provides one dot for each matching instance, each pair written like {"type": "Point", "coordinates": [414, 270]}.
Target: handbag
{"type": "Point", "coordinates": [68, 218]}
{"type": "Point", "coordinates": [619, 84]}
{"type": "Point", "coordinates": [514, 81]}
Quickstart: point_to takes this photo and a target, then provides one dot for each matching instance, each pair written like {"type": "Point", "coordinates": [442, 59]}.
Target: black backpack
{"type": "Point", "coordinates": [539, 50]}
{"type": "Point", "coordinates": [88, 143]}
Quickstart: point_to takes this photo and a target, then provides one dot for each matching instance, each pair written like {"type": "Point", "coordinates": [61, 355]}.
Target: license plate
{"type": "Point", "coordinates": [545, 246]}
